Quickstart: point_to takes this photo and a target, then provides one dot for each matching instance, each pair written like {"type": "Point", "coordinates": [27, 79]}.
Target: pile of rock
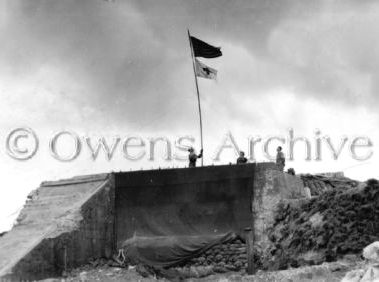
{"type": "Point", "coordinates": [323, 228]}
{"type": "Point", "coordinates": [370, 272]}
{"type": "Point", "coordinates": [225, 257]}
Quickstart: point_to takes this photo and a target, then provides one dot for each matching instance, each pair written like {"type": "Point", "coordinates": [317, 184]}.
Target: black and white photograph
{"type": "Point", "coordinates": [198, 140]}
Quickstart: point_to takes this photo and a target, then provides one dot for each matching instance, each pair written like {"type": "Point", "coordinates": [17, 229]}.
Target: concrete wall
{"type": "Point", "coordinates": [270, 188]}
{"type": "Point", "coordinates": [193, 201]}
{"type": "Point", "coordinates": [63, 226]}
{"type": "Point", "coordinates": [205, 200]}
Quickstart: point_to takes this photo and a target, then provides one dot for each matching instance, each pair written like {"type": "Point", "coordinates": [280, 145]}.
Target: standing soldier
{"type": "Point", "coordinates": [192, 157]}
{"type": "Point", "coordinates": [280, 160]}
{"type": "Point", "coordinates": [241, 159]}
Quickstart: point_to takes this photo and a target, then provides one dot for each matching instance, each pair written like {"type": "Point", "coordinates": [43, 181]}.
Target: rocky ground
{"type": "Point", "coordinates": [327, 272]}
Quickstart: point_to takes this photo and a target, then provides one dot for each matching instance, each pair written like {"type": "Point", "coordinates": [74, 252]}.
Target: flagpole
{"type": "Point", "coordinates": [198, 95]}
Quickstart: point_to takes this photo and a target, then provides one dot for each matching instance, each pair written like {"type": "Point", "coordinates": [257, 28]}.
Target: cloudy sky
{"type": "Point", "coordinates": [123, 68]}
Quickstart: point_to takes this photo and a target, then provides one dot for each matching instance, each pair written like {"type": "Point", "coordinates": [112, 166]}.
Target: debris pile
{"type": "Point", "coordinates": [323, 228]}
{"type": "Point", "coordinates": [319, 184]}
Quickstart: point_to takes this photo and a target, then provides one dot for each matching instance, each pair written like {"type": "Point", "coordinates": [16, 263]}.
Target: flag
{"type": "Point", "coordinates": [202, 49]}
{"type": "Point", "coordinates": [204, 71]}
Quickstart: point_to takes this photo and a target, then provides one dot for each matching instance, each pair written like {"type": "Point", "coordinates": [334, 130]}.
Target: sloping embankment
{"type": "Point", "coordinates": [54, 227]}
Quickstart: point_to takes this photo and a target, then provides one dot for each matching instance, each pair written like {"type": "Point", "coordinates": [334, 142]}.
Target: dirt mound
{"type": "Point", "coordinates": [323, 228]}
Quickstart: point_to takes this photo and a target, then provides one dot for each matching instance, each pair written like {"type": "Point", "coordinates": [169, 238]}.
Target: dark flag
{"type": "Point", "coordinates": [202, 49]}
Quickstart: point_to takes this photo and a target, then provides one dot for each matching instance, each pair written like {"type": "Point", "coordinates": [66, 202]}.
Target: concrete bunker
{"type": "Point", "coordinates": [70, 221]}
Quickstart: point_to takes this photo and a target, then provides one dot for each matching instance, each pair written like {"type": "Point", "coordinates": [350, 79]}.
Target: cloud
{"type": "Point", "coordinates": [89, 54]}
{"type": "Point", "coordinates": [125, 65]}
{"type": "Point", "coordinates": [332, 54]}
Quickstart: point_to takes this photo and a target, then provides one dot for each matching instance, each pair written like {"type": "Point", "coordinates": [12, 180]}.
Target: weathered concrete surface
{"type": "Point", "coordinates": [209, 199]}
{"type": "Point", "coordinates": [271, 187]}
{"type": "Point", "coordinates": [64, 224]}
{"type": "Point", "coordinates": [70, 221]}
{"type": "Point", "coordinates": [180, 202]}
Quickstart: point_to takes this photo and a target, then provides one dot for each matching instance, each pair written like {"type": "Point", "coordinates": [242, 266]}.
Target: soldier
{"type": "Point", "coordinates": [280, 160]}
{"type": "Point", "coordinates": [192, 157]}
{"type": "Point", "coordinates": [241, 159]}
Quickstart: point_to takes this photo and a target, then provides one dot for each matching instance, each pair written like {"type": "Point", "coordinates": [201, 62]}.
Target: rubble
{"type": "Point", "coordinates": [338, 222]}
{"type": "Point", "coordinates": [370, 272]}
{"type": "Point", "coordinates": [330, 272]}
{"type": "Point", "coordinates": [371, 252]}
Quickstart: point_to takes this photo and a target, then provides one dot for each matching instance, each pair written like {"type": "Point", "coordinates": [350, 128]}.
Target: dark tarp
{"type": "Point", "coordinates": [164, 217]}
{"type": "Point", "coordinates": [166, 251]}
